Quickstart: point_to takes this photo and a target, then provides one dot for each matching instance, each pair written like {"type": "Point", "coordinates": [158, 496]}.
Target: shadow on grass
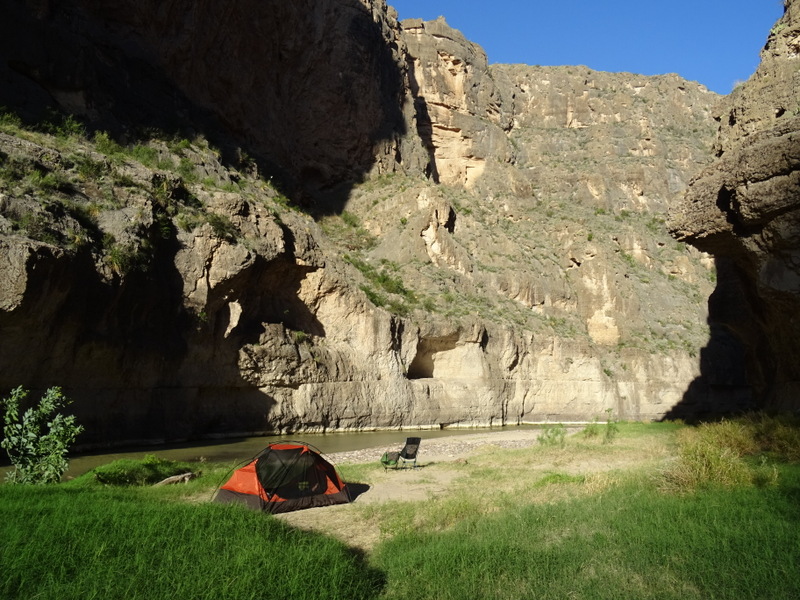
{"type": "Point", "coordinates": [356, 489]}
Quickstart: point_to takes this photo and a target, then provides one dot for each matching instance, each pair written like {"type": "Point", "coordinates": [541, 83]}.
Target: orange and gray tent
{"type": "Point", "coordinates": [285, 476]}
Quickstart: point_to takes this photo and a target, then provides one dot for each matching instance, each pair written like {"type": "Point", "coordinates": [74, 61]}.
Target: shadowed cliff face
{"type": "Point", "coordinates": [745, 210]}
{"type": "Point", "coordinates": [313, 87]}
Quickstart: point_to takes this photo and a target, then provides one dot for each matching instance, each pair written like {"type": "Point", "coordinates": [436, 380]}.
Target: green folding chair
{"type": "Point", "coordinates": [389, 460]}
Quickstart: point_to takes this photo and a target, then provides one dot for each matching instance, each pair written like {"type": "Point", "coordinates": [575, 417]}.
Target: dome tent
{"type": "Point", "coordinates": [283, 477]}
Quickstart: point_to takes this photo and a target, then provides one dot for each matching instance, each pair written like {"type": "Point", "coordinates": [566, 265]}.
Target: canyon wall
{"type": "Point", "coordinates": [745, 210]}
{"type": "Point", "coordinates": [476, 244]}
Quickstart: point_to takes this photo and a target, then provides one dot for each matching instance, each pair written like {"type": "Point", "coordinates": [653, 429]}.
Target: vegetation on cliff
{"type": "Point", "coordinates": [88, 193]}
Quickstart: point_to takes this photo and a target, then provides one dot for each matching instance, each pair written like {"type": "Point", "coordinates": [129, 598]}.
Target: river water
{"type": "Point", "coordinates": [238, 450]}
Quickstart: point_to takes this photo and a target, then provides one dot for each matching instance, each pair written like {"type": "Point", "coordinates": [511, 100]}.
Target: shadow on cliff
{"type": "Point", "coordinates": [311, 89]}
{"type": "Point", "coordinates": [731, 380]}
{"type": "Point", "coordinates": [424, 123]}
{"type": "Point", "coordinates": [139, 366]}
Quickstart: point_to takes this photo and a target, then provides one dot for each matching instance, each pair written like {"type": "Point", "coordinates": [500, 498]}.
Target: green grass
{"type": "Point", "coordinates": [72, 543]}
{"type": "Point", "coordinates": [539, 522]}
{"type": "Point", "coordinates": [734, 453]}
{"type": "Point", "coordinates": [629, 542]}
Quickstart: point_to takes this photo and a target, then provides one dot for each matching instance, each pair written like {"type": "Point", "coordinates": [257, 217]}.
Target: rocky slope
{"type": "Point", "coordinates": [745, 209]}
{"type": "Point", "coordinates": [476, 244]}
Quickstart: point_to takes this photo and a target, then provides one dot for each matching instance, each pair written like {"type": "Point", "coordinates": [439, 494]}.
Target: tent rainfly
{"type": "Point", "coordinates": [283, 477]}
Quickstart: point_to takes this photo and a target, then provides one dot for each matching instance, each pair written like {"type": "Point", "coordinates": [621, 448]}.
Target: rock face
{"type": "Point", "coordinates": [312, 87]}
{"type": "Point", "coordinates": [745, 210]}
{"type": "Point", "coordinates": [479, 244]}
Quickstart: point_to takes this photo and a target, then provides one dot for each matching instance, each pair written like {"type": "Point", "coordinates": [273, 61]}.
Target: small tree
{"type": "Point", "coordinates": [37, 443]}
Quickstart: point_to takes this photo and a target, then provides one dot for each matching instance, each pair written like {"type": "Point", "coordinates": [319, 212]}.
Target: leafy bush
{"type": "Point", "coordinates": [106, 145]}
{"type": "Point", "coordinates": [609, 431]}
{"type": "Point", "coordinates": [37, 443]}
{"type": "Point", "coordinates": [63, 126]}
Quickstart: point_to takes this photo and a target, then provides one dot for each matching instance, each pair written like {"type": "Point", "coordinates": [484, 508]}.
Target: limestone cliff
{"type": "Point", "coordinates": [475, 244]}
{"type": "Point", "coordinates": [745, 210]}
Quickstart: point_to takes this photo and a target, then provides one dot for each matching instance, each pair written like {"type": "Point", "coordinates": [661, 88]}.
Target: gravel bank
{"type": "Point", "coordinates": [450, 449]}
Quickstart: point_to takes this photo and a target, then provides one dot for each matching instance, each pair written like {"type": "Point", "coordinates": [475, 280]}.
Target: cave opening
{"type": "Point", "coordinates": [423, 364]}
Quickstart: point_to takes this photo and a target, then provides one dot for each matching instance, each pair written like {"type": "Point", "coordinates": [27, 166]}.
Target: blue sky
{"type": "Point", "coordinates": [715, 42]}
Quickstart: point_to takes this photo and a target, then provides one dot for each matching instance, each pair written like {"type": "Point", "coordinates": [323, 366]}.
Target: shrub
{"type": "Point", "coordinates": [222, 227]}
{"type": "Point", "coordinates": [127, 258]}
{"type": "Point", "coordinates": [147, 471]}
{"type": "Point", "coordinates": [37, 443]}
{"type": "Point", "coordinates": [350, 219]}
{"type": "Point", "coordinates": [105, 144]}
{"type": "Point", "coordinates": [592, 430]}
{"type": "Point", "coordinates": [186, 169]}
{"type": "Point", "coordinates": [553, 435]}
{"type": "Point", "coordinates": [88, 168]}
{"type": "Point", "coordinates": [9, 121]}
{"type": "Point", "coordinates": [373, 296]}
{"type": "Point", "coordinates": [703, 464]}
{"type": "Point", "coordinates": [63, 126]}
{"type": "Point", "coordinates": [300, 337]}
{"type": "Point", "coordinates": [147, 155]}
{"type": "Point", "coordinates": [611, 429]}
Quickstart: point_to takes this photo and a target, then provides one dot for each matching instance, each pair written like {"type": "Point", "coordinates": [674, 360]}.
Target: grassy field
{"type": "Point", "coordinates": [628, 542]}
{"type": "Point", "coordinates": [665, 511]}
